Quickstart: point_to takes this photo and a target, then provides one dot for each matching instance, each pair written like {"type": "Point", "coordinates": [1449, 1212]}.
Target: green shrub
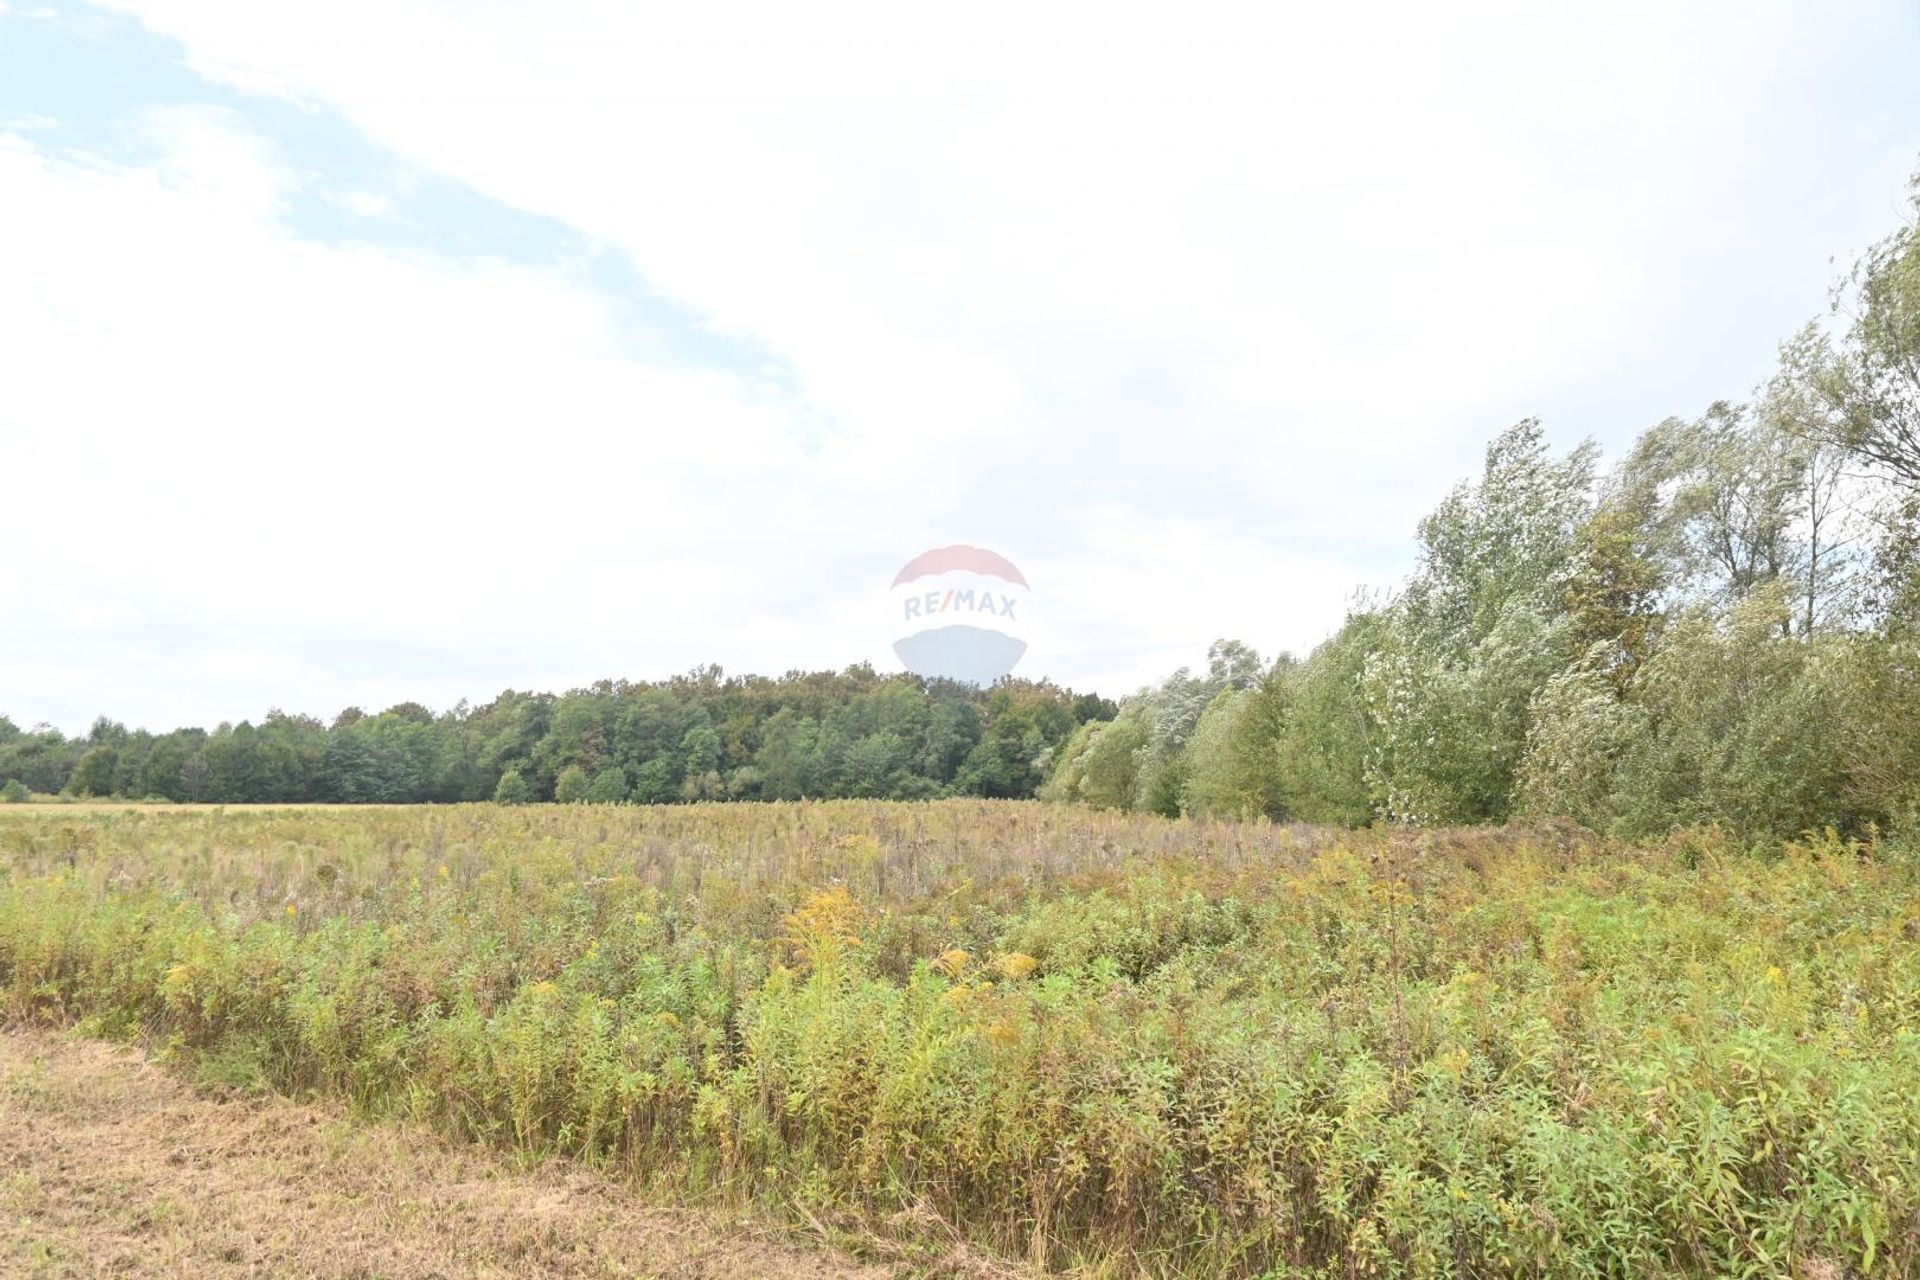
{"type": "Point", "coordinates": [572, 786]}
{"type": "Point", "coordinates": [512, 789]}
{"type": "Point", "coordinates": [1085, 1038]}
{"type": "Point", "coordinates": [609, 786]}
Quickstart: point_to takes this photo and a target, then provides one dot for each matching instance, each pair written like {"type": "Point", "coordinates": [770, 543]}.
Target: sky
{"type": "Point", "coordinates": [414, 350]}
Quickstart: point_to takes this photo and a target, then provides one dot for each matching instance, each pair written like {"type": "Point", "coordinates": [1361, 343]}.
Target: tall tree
{"type": "Point", "coordinates": [1872, 379]}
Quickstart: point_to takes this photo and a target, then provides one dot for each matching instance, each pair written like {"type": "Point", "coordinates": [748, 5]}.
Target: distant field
{"type": "Point", "coordinates": [43, 807]}
{"type": "Point", "coordinates": [1107, 1043]}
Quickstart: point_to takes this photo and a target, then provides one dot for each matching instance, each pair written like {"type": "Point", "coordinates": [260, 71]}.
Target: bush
{"type": "Point", "coordinates": [14, 792]}
{"type": "Point", "coordinates": [513, 789]}
{"type": "Point", "coordinates": [572, 786]}
{"type": "Point", "coordinates": [609, 786]}
{"type": "Point", "coordinates": [1728, 720]}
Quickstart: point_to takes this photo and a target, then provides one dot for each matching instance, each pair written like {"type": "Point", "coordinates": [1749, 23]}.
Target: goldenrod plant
{"type": "Point", "coordinates": [1088, 1039]}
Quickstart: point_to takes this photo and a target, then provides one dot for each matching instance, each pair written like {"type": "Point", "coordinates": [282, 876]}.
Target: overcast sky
{"type": "Point", "coordinates": [390, 349]}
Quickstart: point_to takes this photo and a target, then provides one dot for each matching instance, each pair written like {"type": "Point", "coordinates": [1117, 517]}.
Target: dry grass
{"type": "Point", "coordinates": [53, 807]}
{"type": "Point", "coordinates": [1106, 1044]}
{"type": "Point", "coordinates": [111, 1166]}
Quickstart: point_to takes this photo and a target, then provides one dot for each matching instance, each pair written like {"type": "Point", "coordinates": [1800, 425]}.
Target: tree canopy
{"type": "Point", "coordinates": [1719, 628]}
{"type": "Point", "coordinates": [703, 736]}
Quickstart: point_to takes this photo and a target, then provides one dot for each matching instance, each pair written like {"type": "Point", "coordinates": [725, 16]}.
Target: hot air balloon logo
{"type": "Point", "coordinates": [960, 613]}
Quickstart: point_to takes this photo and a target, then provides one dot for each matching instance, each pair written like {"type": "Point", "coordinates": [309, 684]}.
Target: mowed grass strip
{"type": "Point", "coordinates": [109, 1166]}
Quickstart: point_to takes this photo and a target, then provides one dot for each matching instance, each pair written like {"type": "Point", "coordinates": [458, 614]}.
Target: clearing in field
{"type": "Point", "coordinates": [112, 1167]}
{"type": "Point", "coordinates": [1079, 1040]}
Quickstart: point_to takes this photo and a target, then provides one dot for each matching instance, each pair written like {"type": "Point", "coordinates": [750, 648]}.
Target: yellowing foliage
{"type": "Point", "coordinates": [1092, 1039]}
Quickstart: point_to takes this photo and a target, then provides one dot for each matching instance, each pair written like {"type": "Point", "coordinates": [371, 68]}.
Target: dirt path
{"type": "Point", "coordinates": [110, 1166]}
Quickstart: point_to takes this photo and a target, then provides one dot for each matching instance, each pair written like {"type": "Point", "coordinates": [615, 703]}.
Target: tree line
{"type": "Point", "coordinates": [1723, 626]}
{"type": "Point", "coordinates": [702, 736]}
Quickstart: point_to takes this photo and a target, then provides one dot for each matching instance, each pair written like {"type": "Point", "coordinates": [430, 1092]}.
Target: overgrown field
{"type": "Point", "coordinates": [1113, 1042]}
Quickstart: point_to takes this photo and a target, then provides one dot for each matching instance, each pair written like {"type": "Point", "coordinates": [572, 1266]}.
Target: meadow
{"type": "Point", "coordinates": [1097, 1042]}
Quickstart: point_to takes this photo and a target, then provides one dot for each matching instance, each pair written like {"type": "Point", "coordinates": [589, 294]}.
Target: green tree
{"type": "Point", "coordinates": [1234, 756]}
{"type": "Point", "coordinates": [1171, 713]}
{"type": "Point", "coordinates": [42, 759]}
{"type": "Point", "coordinates": [1007, 762]}
{"type": "Point", "coordinates": [872, 765]}
{"type": "Point", "coordinates": [1721, 498]}
{"type": "Point", "coordinates": [1212, 783]}
{"type": "Point", "coordinates": [700, 750]}
{"type": "Point", "coordinates": [512, 789]}
{"type": "Point", "coordinates": [952, 731]}
{"type": "Point", "coordinates": [699, 787]}
{"type": "Point", "coordinates": [1111, 769]}
{"type": "Point", "coordinates": [1871, 381]}
{"type": "Point", "coordinates": [1581, 727]}
{"type": "Point", "coordinates": [577, 735]}
{"type": "Point", "coordinates": [1066, 771]}
{"type": "Point", "coordinates": [1612, 595]}
{"type": "Point", "coordinates": [572, 786]}
{"type": "Point", "coordinates": [291, 759]}
{"type": "Point", "coordinates": [93, 773]}
{"type": "Point", "coordinates": [165, 772]}
{"type": "Point", "coordinates": [654, 782]}
{"type": "Point", "coordinates": [786, 758]}
{"type": "Point", "coordinates": [609, 786]}
{"type": "Point", "coordinates": [1731, 720]}
{"type": "Point", "coordinates": [1324, 744]}
{"type": "Point", "coordinates": [1478, 632]}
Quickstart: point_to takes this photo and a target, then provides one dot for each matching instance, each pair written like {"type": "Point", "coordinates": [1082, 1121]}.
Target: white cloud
{"type": "Point", "coordinates": [368, 204]}
{"type": "Point", "coordinates": [1128, 609]}
{"type": "Point", "coordinates": [226, 424]}
{"type": "Point", "coordinates": [1272, 204]}
{"type": "Point", "coordinates": [1200, 307]}
{"type": "Point", "coordinates": [1369, 234]}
